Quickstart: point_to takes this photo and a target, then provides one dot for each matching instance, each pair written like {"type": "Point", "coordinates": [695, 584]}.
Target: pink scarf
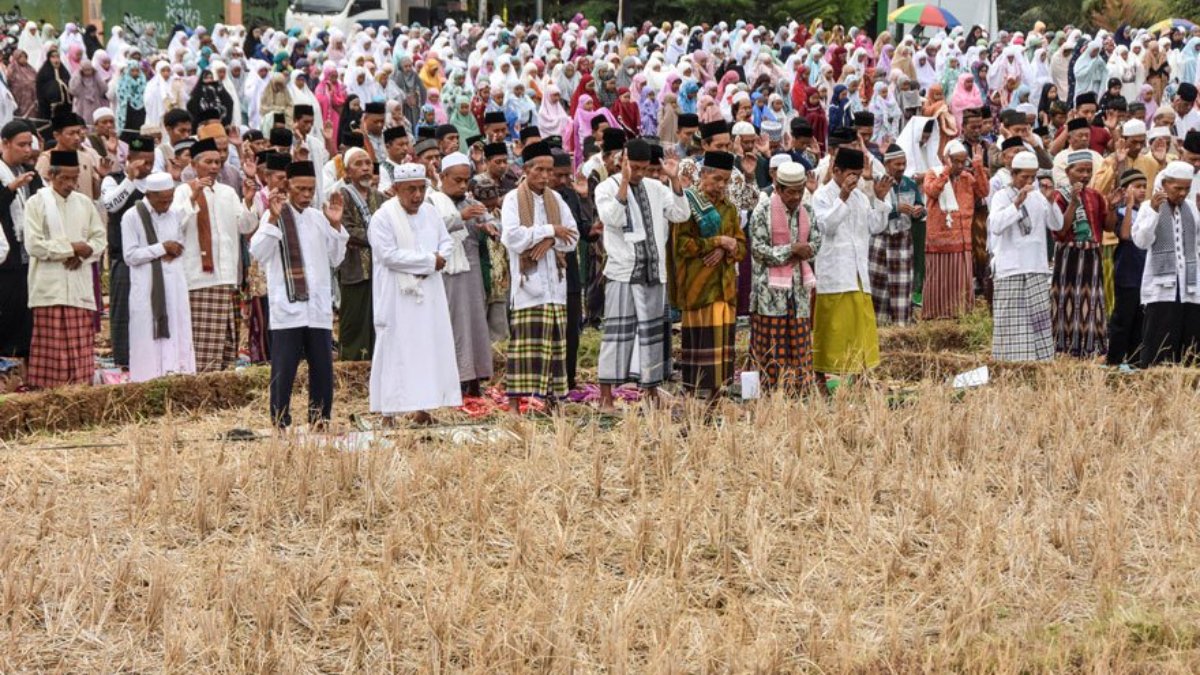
{"type": "Point", "coordinates": [780, 276]}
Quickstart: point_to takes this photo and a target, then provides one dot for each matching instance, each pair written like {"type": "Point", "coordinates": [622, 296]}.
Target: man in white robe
{"type": "Point", "coordinates": [297, 247]}
{"type": "Point", "coordinates": [160, 323]}
{"type": "Point", "coordinates": [414, 368]}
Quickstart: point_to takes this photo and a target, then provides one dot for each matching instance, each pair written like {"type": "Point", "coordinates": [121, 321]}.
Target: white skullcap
{"type": "Point", "coordinates": [1158, 132]}
{"type": "Point", "coordinates": [1133, 128]}
{"type": "Point", "coordinates": [743, 129]}
{"type": "Point", "coordinates": [352, 152]}
{"type": "Point", "coordinates": [790, 173]}
{"type": "Point", "coordinates": [409, 172]}
{"type": "Point", "coordinates": [454, 159]}
{"type": "Point", "coordinates": [1178, 171]}
{"type": "Point", "coordinates": [955, 147]}
{"type": "Point", "coordinates": [101, 113]}
{"type": "Point", "coordinates": [779, 160]}
{"type": "Point", "coordinates": [159, 182]}
{"type": "Point", "coordinates": [1025, 160]}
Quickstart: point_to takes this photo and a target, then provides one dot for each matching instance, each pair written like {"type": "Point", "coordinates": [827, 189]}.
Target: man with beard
{"type": "Point", "coordinates": [465, 219]}
{"type": "Point", "coordinates": [356, 325]}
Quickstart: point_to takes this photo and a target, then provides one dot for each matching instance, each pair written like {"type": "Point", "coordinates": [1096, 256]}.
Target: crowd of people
{"type": "Point", "coordinates": [413, 196]}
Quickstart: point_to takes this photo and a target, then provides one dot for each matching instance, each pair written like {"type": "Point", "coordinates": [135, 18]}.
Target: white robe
{"type": "Point", "coordinates": [323, 249]}
{"type": "Point", "coordinates": [414, 365]}
{"type": "Point", "coordinates": [150, 358]}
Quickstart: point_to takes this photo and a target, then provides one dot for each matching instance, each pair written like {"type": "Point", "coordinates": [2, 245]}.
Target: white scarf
{"type": "Point", "coordinates": [54, 219]}
{"type": "Point", "coordinates": [17, 208]}
{"type": "Point", "coordinates": [458, 262]}
{"type": "Point", "coordinates": [948, 200]}
{"type": "Point", "coordinates": [405, 239]}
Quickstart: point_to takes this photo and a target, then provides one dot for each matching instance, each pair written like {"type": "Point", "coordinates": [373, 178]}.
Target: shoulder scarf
{"type": "Point", "coordinates": [54, 218]}
{"type": "Point", "coordinates": [158, 293]}
{"type": "Point", "coordinates": [405, 240]}
{"type": "Point", "coordinates": [706, 215]}
{"type": "Point", "coordinates": [292, 257]}
{"type": "Point", "coordinates": [456, 227]}
{"type": "Point", "coordinates": [525, 217]}
{"type": "Point", "coordinates": [1080, 225]}
{"type": "Point", "coordinates": [1162, 253]}
{"type": "Point", "coordinates": [780, 276]}
{"type": "Point", "coordinates": [17, 208]}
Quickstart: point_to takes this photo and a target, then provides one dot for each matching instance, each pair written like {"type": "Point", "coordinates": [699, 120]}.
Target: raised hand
{"type": "Point", "coordinates": [333, 209]}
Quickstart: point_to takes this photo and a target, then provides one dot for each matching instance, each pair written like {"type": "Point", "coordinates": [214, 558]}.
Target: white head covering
{"type": "Point", "coordinates": [1025, 160]}
{"type": "Point", "coordinates": [743, 129]}
{"type": "Point", "coordinates": [101, 113]}
{"type": "Point", "coordinates": [779, 160]}
{"type": "Point", "coordinates": [454, 159]}
{"type": "Point", "coordinates": [1134, 128]}
{"type": "Point", "coordinates": [789, 173]}
{"type": "Point", "coordinates": [1158, 132]}
{"type": "Point", "coordinates": [409, 172]}
{"type": "Point", "coordinates": [1178, 171]}
{"type": "Point", "coordinates": [159, 182]}
{"type": "Point", "coordinates": [955, 147]}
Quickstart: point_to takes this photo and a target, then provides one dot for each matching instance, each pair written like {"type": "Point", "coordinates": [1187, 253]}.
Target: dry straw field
{"type": "Point", "coordinates": [1046, 522]}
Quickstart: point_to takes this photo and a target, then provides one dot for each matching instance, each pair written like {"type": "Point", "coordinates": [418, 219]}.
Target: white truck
{"type": "Point", "coordinates": [343, 14]}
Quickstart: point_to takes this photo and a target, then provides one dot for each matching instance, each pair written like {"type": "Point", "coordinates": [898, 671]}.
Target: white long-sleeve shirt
{"type": "Point", "coordinates": [544, 285]}
{"type": "Point", "coordinates": [1144, 232]}
{"type": "Point", "coordinates": [113, 195]}
{"type": "Point", "coordinates": [322, 247]}
{"type": "Point", "coordinates": [846, 228]}
{"type": "Point", "coordinates": [50, 282]}
{"type": "Point", "coordinates": [1012, 251]}
{"type": "Point", "coordinates": [228, 217]}
{"type": "Point", "coordinates": [666, 207]}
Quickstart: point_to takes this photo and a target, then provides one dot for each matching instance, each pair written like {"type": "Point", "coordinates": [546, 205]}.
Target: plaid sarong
{"type": "Point", "coordinates": [633, 315]}
{"type": "Point", "coordinates": [63, 347]}
{"type": "Point", "coordinates": [537, 352]}
{"type": "Point", "coordinates": [1077, 300]}
{"type": "Point", "coordinates": [891, 272]}
{"type": "Point", "coordinates": [706, 359]}
{"type": "Point", "coordinates": [781, 349]}
{"type": "Point", "coordinates": [118, 311]}
{"type": "Point", "coordinates": [214, 331]}
{"type": "Point", "coordinates": [949, 285]}
{"type": "Point", "coordinates": [1021, 319]}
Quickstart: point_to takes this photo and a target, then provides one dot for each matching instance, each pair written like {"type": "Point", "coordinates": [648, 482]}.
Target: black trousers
{"type": "Point", "coordinates": [288, 347]}
{"type": "Point", "coordinates": [1171, 333]}
{"type": "Point", "coordinates": [1125, 327]}
{"type": "Point", "coordinates": [16, 319]}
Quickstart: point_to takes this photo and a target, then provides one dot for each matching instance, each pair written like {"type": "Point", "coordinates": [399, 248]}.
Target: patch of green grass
{"type": "Point", "coordinates": [978, 324]}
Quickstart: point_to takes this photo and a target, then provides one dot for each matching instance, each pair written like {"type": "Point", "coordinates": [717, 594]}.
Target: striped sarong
{"type": "Point", "coordinates": [1021, 319]}
{"type": "Point", "coordinates": [118, 311]}
{"type": "Point", "coordinates": [633, 316]}
{"type": "Point", "coordinates": [781, 349]}
{"type": "Point", "coordinates": [949, 285]}
{"type": "Point", "coordinates": [537, 352]}
{"type": "Point", "coordinates": [1077, 300]}
{"type": "Point", "coordinates": [214, 327]}
{"type": "Point", "coordinates": [258, 327]}
{"type": "Point", "coordinates": [891, 272]}
{"type": "Point", "coordinates": [706, 359]}
{"type": "Point", "coordinates": [63, 347]}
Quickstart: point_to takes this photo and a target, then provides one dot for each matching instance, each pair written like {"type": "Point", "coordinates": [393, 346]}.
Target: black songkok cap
{"type": "Point", "coordinates": [301, 170]}
{"type": "Point", "coordinates": [141, 144]}
{"type": "Point", "coordinates": [718, 160]}
{"type": "Point", "coordinates": [710, 129]}
{"type": "Point", "coordinates": [688, 121]}
{"type": "Point", "coordinates": [281, 137]}
{"type": "Point", "coordinates": [849, 159]}
{"type": "Point", "coordinates": [535, 150]}
{"type": "Point", "coordinates": [494, 117]}
{"type": "Point", "coordinates": [495, 150]}
{"type": "Point", "coordinates": [206, 145]}
{"type": "Point", "coordinates": [1187, 92]}
{"type": "Point", "coordinates": [64, 158]}
{"type": "Point", "coordinates": [1191, 142]}
{"type": "Point", "coordinates": [445, 130]}
{"type": "Point", "coordinates": [638, 150]}
{"type": "Point", "coordinates": [1085, 98]}
{"type": "Point", "coordinates": [1010, 143]}
{"type": "Point", "coordinates": [392, 134]}
{"type": "Point", "coordinates": [1077, 124]}
{"type": "Point", "coordinates": [375, 108]}
{"type": "Point", "coordinates": [530, 132]}
{"type": "Point", "coordinates": [278, 161]}
{"type": "Point", "coordinates": [864, 119]}
{"type": "Point", "coordinates": [614, 139]}
{"type": "Point", "coordinates": [302, 109]}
